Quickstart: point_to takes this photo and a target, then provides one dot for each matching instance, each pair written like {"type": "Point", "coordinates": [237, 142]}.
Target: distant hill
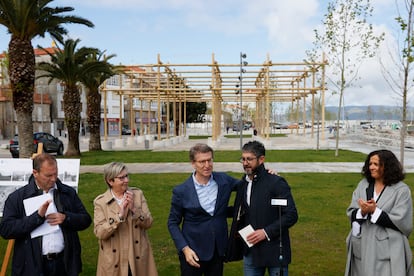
{"type": "Point", "coordinates": [372, 112]}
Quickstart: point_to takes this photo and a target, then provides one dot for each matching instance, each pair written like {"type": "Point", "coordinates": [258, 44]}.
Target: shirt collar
{"type": "Point", "coordinates": [50, 190]}
{"type": "Point", "coordinates": [197, 183]}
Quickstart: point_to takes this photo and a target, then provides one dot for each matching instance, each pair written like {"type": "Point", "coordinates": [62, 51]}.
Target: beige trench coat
{"type": "Point", "coordinates": [123, 243]}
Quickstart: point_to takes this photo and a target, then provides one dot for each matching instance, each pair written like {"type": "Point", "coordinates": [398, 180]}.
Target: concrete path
{"type": "Point", "coordinates": [289, 142]}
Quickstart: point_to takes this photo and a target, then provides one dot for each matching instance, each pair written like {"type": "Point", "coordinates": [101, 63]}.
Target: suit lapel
{"type": "Point", "coordinates": [193, 193]}
{"type": "Point", "coordinates": [220, 195]}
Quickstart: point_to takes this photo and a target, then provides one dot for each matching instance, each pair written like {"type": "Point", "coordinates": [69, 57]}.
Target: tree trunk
{"type": "Point", "coordinates": [22, 77]}
{"type": "Point", "coordinates": [94, 119]}
{"type": "Point", "coordinates": [336, 127]}
{"type": "Point", "coordinates": [72, 109]}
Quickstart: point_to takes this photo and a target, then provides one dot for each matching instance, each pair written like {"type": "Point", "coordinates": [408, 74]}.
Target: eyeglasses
{"type": "Point", "coordinates": [203, 162]}
{"type": "Point", "coordinates": [122, 177]}
{"type": "Point", "coordinates": [247, 159]}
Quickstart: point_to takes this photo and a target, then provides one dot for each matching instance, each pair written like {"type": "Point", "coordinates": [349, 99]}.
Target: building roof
{"type": "Point", "coordinates": [45, 51]}
{"type": "Point", "coordinates": [38, 52]}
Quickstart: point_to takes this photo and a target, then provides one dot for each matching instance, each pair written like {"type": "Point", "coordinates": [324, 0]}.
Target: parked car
{"type": "Point", "coordinates": [51, 144]}
{"type": "Point", "coordinates": [280, 126]}
{"type": "Point", "coordinates": [245, 127]}
{"type": "Point", "coordinates": [367, 126]}
{"type": "Point", "coordinates": [126, 131]}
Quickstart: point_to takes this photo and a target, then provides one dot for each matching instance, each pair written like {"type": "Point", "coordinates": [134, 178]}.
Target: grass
{"type": "Point", "coordinates": [318, 239]}
{"type": "Point", "coordinates": [143, 156]}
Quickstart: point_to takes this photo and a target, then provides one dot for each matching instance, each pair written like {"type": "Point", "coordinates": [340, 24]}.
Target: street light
{"type": "Point", "coordinates": [242, 70]}
{"type": "Point", "coordinates": [41, 107]}
{"type": "Point", "coordinates": [40, 88]}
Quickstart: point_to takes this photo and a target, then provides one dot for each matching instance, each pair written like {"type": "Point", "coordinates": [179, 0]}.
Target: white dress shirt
{"type": "Point", "coordinates": [52, 242]}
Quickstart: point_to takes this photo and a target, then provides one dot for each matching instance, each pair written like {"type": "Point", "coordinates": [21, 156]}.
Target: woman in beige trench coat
{"type": "Point", "coordinates": [121, 217]}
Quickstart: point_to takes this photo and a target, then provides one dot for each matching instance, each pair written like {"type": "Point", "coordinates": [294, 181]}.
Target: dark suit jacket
{"type": "Point", "coordinates": [16, 224]}
{"type": "Point", "coordinates": [199, 230]}
{"type": "Point", "coordinates": [262, 214]}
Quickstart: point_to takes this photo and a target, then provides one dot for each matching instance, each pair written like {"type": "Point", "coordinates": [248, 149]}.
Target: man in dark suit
{"type": "Point", "coordinates": [257, 204]}
{"type": "Point", "coordinates": [199, 206]}
{"type": "Point", "coordinates": [54, 253]}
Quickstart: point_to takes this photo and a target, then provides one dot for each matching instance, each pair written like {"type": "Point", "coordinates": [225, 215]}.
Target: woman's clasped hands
{"type": "Point", "coordinates": [367, 207]}
{"type": "Point", "coordinates": [127, 204]}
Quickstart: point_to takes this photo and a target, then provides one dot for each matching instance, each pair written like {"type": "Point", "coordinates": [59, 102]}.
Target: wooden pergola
{"type": "Point", "coordinates": [215, 83]}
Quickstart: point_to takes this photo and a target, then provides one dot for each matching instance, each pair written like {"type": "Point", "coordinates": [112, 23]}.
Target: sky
{"type": "Point", "coordinates": [191, 31]}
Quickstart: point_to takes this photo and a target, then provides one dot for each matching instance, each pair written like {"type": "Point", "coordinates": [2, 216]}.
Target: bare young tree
{"type": "Point", "coordinates": [347, 39]}
{"type": "Point", "coordinates": [398, 73]}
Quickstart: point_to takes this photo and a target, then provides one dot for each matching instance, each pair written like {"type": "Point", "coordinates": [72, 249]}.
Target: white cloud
{"type": "Point", "coordinates": [289, 21]}
{"type": "Point", "coordinates": [184, 30]}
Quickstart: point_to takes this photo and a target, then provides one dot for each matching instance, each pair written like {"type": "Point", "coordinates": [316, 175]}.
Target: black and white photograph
{"type": "Point", "coordinates": [15, 173]}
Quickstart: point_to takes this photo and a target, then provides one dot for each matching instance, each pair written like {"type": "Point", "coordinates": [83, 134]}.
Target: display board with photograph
{"type": "Point", "coordinates": [15, 173]}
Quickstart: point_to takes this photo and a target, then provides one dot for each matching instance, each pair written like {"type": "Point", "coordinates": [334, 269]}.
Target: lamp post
{"type": "Point", "coordinates": [40, 88]}
{"type": "Point", "coordinates": [242, 70]}
{"type": "Point", "coordinates": [41, 108]}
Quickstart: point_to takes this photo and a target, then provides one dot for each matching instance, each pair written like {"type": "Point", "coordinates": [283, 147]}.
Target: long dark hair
{"type": "Point", "coordinates": [393, 170]}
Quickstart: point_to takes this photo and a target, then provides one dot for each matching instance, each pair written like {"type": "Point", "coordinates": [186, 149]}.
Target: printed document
{"type": "Point", "coordinates": [31, 205]}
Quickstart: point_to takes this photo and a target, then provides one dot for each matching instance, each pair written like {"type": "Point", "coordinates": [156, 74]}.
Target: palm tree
{"type": "Point", "coordinates": [25, 20]}
{"type": "Point", "coordinates": [92, 80]}
{"type": "Point", "coordinates": [4, 63]}
{"type": "Point", "coordinates": [69, 65]}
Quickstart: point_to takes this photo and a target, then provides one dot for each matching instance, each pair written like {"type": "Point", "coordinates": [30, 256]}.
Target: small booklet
{"type": "Point", "coordinates": [245, 232]}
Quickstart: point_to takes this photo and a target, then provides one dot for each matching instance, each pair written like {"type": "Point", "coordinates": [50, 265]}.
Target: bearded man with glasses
{"type": "Point", "coordinates": [264, 204]}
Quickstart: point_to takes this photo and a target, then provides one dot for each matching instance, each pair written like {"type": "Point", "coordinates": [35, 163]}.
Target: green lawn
{"type": "Point", "coordinates": [143, 156]}
{"type": "Point", "coordinates": [318, 239]}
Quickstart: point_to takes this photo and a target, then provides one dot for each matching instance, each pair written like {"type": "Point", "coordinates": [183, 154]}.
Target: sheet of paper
{"type": "Point", "coordinates": [245, 232]}
{"type": "Point", "coordinates": [31, 205]}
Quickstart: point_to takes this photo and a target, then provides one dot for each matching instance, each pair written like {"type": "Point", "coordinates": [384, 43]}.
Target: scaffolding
{"type": "Point", "coordinates": [215, 83]}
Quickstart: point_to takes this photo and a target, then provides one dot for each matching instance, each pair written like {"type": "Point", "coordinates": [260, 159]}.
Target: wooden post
{"type": "Point", "coordinates": [39, 150]}
{"type": "Point", "coordinates": [6, 257]}
{"type": "Point", "coordinates": [10, 244]}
